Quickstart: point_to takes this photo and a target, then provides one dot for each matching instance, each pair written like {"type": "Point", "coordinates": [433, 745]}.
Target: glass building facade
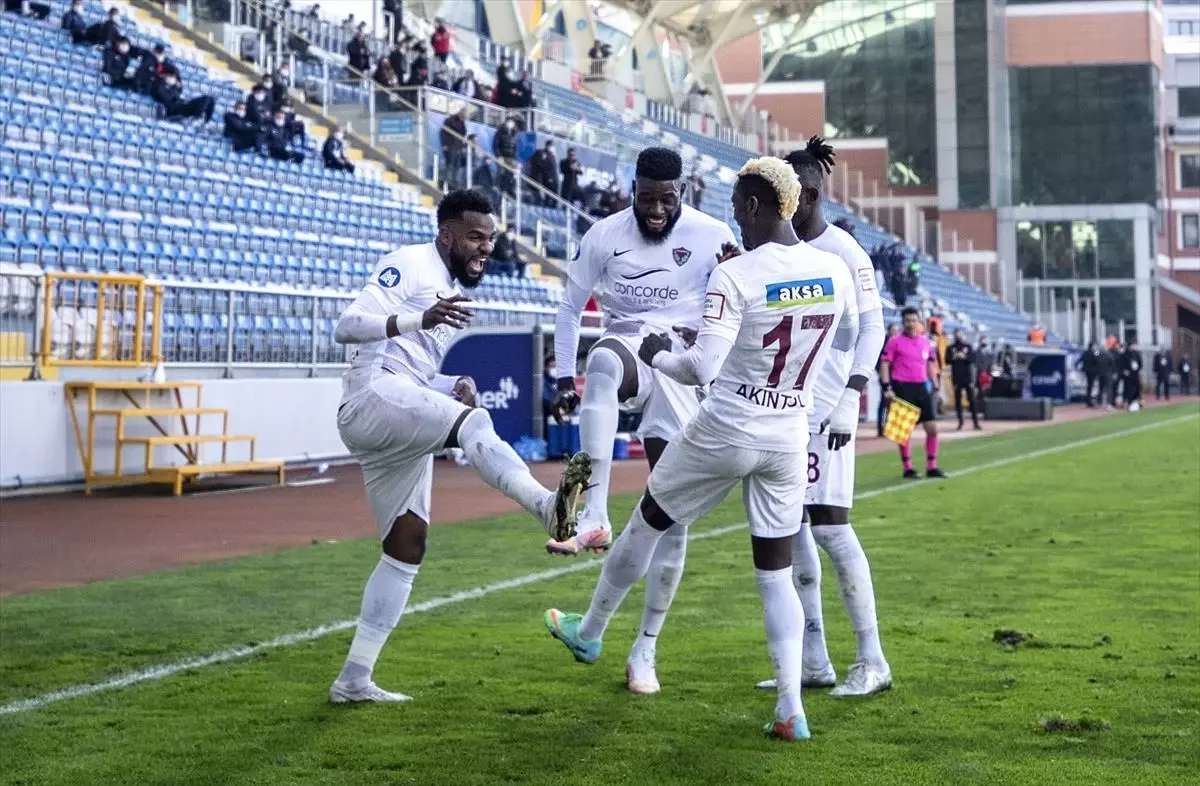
{"type": "Point", "coordinates": [1084, 134]}
{"type": "Point", "coordinates": [971, 100]}
{"type": "Point", "coordinates": [876, 60]}
{"type": "Point", "coordinates": [1075, 249]}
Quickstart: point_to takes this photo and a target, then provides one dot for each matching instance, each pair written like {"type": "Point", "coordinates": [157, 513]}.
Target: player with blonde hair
{"type": "Point", "coordinates": [769, 321]}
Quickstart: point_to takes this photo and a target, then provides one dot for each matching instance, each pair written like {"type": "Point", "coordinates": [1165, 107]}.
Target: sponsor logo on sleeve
{"type": "Point", "coordinates": [714, 305]}
{"type": "Point", "coordinates": [866, 279]}
{"type": "Point", "coordinates": [389, 277]}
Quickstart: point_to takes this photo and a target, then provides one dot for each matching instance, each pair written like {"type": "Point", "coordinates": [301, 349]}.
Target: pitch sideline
{"type": "Point", "coordinates": [300, 637]}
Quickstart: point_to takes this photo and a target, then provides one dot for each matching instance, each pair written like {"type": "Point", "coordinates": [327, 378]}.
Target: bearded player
{"type": "Point", "coordinates": [832, 427]}
{"type": "Point", "coordinates": [770, 317]}
{"type": "Point", "coordinates": [650, 265]}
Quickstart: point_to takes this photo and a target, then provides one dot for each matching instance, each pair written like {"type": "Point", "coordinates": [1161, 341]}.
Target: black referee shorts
{"type": "Point", "coordinates": [918, 395]}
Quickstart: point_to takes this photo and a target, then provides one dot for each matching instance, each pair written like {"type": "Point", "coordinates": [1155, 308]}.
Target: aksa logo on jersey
{"type": "Point", "coordinates": [800, 293]}
{"type": "Point", "coordinates": [389, 277]}
{"type": "Point", "coordinates": [681, 255]}
{"type": "Point", "coordinates": [499, 399]}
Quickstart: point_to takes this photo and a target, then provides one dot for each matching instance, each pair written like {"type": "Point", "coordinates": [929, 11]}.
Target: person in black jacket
{"type": "Point", "coordinates": [961, 358]}
{"type": "Point", "coordinates": [1162, 374]}
{"type": "Point", "coordinates": [1131, 376]}
{"type": "Point", "coordinates": [504, 145]}
{"type": "Point", "coordinates": [116, 65]}
{"type": "Point", "coordinates": [103, 33]}
{"type": "Point", "coordinates": [1185, 376]}
{"type": "Point", "coordinates": [359, 53]}
{"type": "Point", "coordinates": [258, 105]}
{"type": "Point", "coordinates": [398, 58]}
{"type": "Point", "coordinates": [418, 69]}
{"type": "Point", "coordinates": [1089, 362]}
{"type": "Point", "coordinates": [570, 169]}
{"type": "Point", "coordinates": [505, 259]}
{"type": "Point", "coordinates": [543, 169]}
{"type": "Point", "coordinates": [1105, 369]}
{"type": "Point", "coordinates": [281, 82]}
{"type": "Point", "coordinates": [73, 23]}
{"type": "Point", "coordinates": [276, 141]}
{"type": "Point", "coordinates": [334, 153]}
{"type": "Point", "coordinates": [239, 130]}
{"type": "Point", "coordinates": [169, 94]}
{"type": "Point", "coordinates": [1116, 390]}
{"type": "Point", "coordinates": [149, 68]}
{"type": "Point", "coordinates": [454, 148]}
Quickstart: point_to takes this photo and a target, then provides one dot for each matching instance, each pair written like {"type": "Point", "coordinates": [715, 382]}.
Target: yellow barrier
{"type": "Point", "coordinates": [97, 319]}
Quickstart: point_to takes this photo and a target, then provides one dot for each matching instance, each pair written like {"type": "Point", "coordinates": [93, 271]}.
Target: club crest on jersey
{"type": "Point", "coordinates": [681, 255]}
{"type": "Point", "coordinates": [800, 293]}
{"type": "Point", "coordinates": [389, 277]}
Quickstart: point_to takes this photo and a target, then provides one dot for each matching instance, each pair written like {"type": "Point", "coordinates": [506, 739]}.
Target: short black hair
{"type": "Point", "coordinates": [812, 163]}
{"type": "Point", "coordinates": [159, 49]}
{"type": "Point", "coordinates": [909, 310]}
{"type": "Point", "coordinates": [467, 200]}
{"type": "Point", "coordinates": [259, 86]}
{"type": "Point", "coordinates": [659, 163]}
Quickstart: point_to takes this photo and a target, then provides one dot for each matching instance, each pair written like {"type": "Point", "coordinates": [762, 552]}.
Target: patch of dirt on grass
{"type": "Point", "coordinates": [1059, 723]}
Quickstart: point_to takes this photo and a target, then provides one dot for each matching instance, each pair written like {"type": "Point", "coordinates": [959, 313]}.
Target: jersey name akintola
{"type": "Point", "coordinates": [643, 282]}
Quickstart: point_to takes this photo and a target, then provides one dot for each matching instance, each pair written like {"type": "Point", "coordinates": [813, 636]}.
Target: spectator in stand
{"type": "Point", "coordinates": [881, 410]}
{"type": "Point", "coordinates": [1037, 335]}
{"type": "Point", "coordinates": [294, 124]}
{"type": "Point", "coordinates": [1185, 376]}
{"type": "Point", "coordinates": [396, 9]}
{"type": "Point", "coordinates": [913, 276]}
{"type": "Point", "coordinates": [441, 41]}
{"type": "Point", "coordinates": [454, 149]}
{"type": "Point", "coordinates": [466, 85]}
{"type": "Point", "coordinates": [599, 54]}
{"type": "Point", "coordinates": [314, 11]}
{"type": "Point", "coordinates": [523, 92]}
{"type": "Point", "coordinates": [398, 57]}
{"type": "Point", "coordinates": [169, 94]}
{"type": "Point", "coordinates": [27, 8]}
{"type": "Point", "coordinates": [620, 198]}
{"type": "Point", "coordinates": [696, 187]}
{"type": "Point", "coordinates": [149, 67]}
{"type": "Point", "coordinates": [1162, 374]}
{"type": "Point", "coordinates": [276, 141]}
{"type": "Point", "coordinates": [334, 153]}
{"type": "Point", "coordinates": [258, 106]}
{"type": "Point", "coordinates": [1131, 373]}
{"type": "Point", "coordinates": [386, 78]}
{"type": "Point", "coordinates": [504, 145]}
{"type": "Point", "coordinates": [505, 259]}
{"type": "Point", "coordinates": [242, 133]}
{"type": "Point", "coordinates": [571, 169]}
{"type": "Point", "coordinates": [116, 65]}
{"type": "Point", "coordinates": [104, 33]}
{"type": "Point", "coordinates": [418, 71]}
{"type": "Point", "coordinates": [504, 86]}
{"type": "Point", "coordinates": [73, 23]}
{"type": "Point", "coordinates": [439, 80]}
{"type": "Point", "coordinates": [963, 374]}
{"type": "Point", "coordinates": [358, 53]}
{"type": "Point", "coordinates": [543, 170]}
{"type": "Point", "coordinates": [281, 83]}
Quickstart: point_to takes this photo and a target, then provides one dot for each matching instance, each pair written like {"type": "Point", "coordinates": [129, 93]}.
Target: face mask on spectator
{"type": "Point", "coordinates": [260, 95]}
{"type": "Point", "coordinates": [123, 49]}
{"type": "Point", "coordinates": [279, 121]}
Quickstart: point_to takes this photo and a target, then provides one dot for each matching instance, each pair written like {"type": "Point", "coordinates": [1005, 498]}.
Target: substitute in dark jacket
{"type": "Point", "coordinates": [1131, 373]}
{"type": "Point", "coordinates": [961, 358]}
{"type": "Point", "coordinates": [1162, 374]}
{"type": "Point", "coordinates": [116, 65]}
{"type": "Point", "coordinates": [239, 130]}
{"type": "Point", "coordinates": [73, 23]}
{"type": "Point", "coordinates": [276, 141]}
{"type": "Point", "coordinates": [1090, 363]}
{"type": "Point", "coordinates": [334, 153]}
{"type": "Point", "coordinates": [1106, 369]}
{"type": "Point", "coordinates": [169, 94]}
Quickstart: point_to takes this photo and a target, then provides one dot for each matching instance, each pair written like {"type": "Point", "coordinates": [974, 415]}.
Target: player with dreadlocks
{"type": "Point", "coordinates": [832, 426]}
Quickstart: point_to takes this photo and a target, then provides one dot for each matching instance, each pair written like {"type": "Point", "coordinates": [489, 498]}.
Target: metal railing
{"type": "Point", "coordinates": [99, 319]}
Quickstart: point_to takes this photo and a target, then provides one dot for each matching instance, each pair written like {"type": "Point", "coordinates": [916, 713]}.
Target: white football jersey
{"type": "Point", "coordinates": [780, 307]}
{"type": "Point", "coordinates": [640, 282]}
{"type": "Point", "coordinates": [408, 280]}
{"type": "Point", "coordinates": [832, 379]}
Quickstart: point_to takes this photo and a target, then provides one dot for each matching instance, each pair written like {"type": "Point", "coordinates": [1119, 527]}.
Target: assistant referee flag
{"type": "Point", "coordinates": [902, 418]}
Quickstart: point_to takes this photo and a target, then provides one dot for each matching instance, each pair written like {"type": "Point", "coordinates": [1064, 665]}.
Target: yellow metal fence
{"type": "Point", "coordinates": [103, 320]}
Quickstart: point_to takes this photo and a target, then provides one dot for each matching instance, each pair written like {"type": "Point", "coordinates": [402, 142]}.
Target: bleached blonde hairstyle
{"type": "Point", "coordinates": [781, 177]}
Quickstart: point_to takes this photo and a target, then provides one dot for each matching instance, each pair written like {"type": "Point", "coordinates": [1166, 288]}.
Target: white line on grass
{"type": "Point", "coordinates": [290, 639]}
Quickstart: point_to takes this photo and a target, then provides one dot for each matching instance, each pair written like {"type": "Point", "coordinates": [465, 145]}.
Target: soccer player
{"type": "Point", "coordinates": [650, 264]}
{"type": "Point", "coordinates": [909, 371]}
{"type": "Point", "coordinates": [397, 411]}
{"type": "Point", "coordinates": [833, 424]}
{"type": "Point", "coordinates": [769, 321]}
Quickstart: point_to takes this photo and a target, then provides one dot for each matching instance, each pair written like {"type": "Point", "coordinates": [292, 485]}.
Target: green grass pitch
{"type": "Point", "coordinates": [1092, 549]}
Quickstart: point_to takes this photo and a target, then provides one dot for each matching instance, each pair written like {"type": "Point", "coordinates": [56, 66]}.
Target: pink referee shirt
{"type": "Point", "coordinates": [908, 358]}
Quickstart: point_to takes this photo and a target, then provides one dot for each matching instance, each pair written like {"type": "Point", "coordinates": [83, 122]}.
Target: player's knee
{"type": "Point", "coordinates": [827, 515]}
{"type": "Point", "coordinates": [470, 425]}
{"type": "Point", "coordinates": [406, 540]}
{"type": "Point", "coordinates": [653, 515]}
{"type": "Point", "coordinates": [602, 361]}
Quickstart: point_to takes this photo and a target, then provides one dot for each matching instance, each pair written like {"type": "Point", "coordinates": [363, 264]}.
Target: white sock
{"type": "Point", "coordinates": [499, 466]}
{"type": "Point", "coordinates": [662, 580]}
{"type": "Point", "coordinates": [598, 415]}
{"type": "Point", "coordinates": [624, 566]}
{"type": "Point", "coordinates": [384, 599]}
{"type": "Point", "coordinates": [854, 580]}
{"type": "Point", "coordinates": [806, 574]}
{"type": "Point", "coordinates": [783, 617]}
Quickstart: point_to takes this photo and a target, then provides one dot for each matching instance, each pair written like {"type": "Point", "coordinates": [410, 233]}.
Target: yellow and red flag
{"type": "Point", "coordinates": [902, 418]}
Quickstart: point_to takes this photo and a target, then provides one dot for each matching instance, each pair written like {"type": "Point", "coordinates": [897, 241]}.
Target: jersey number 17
{"type": "Point", "coordinates": [782, 334]}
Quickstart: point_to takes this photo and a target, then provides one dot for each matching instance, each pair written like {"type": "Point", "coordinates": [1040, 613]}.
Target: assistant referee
{"type": "Point", "coordinates": [909, 371]}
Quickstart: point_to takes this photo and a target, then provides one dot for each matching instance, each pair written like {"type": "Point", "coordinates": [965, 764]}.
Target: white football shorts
{"type": "Point", "coordinates": [830, 473]}
{"type": "Point", "coordinates": [697, 471]}
{"type": "Point", "coordinates": [393, 426]}
{"type": "Point", "coordinates": [666, 405]}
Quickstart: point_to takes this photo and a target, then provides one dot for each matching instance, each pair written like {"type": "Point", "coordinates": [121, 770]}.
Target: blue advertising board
{"type": "Point", "coordinates": [395, 128]}
{"type": "Point", "coordinates": [1047, 375]}
{"type": "Point", "coordinates": [502, 366]}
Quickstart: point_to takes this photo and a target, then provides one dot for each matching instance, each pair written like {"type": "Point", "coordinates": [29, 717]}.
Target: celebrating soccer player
{"type": "Point", "coordinates": [650, 264]}
{"type": "Point", "coordinates": [770, 318]}
{"type": "Point", "coordinates": [909, 371]}
{"type": "Point", "coordinates": [397, 411]}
